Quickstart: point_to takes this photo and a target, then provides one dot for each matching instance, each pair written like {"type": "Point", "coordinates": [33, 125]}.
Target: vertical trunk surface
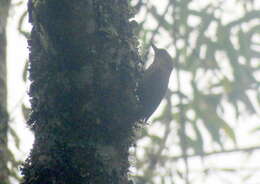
{"type": "Point", "coordinates": [84, 68]}
{"type": "Point", "coordinates": [4, 7]}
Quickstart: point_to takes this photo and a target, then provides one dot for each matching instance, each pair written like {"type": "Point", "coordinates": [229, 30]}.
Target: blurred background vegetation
{"type": "Point", "coordinates": [208, 127]}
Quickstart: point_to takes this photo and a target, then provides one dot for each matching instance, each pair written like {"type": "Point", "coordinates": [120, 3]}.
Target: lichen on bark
{"type": "Point", "coordinates": [84, 68]}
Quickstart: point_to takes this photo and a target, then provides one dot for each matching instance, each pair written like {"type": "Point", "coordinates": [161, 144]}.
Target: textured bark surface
{"type": "Point", "coordinates": [84, 68]}
{"type": "Point", "coordinates": [4, 7]}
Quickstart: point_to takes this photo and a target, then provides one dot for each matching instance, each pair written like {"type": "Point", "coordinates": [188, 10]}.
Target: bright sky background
{"type": "Point", "coordinates": [18, 52]}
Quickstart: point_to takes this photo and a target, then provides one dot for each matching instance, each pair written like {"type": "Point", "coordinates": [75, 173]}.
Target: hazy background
{"type": "Point", "coordinates": [207, 128]}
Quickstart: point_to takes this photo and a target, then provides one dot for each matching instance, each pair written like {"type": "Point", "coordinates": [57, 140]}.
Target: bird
{"type": "Point", "coordinates": [154, 83]}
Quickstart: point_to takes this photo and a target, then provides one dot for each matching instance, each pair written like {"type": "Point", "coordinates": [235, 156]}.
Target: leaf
{"type": "Point", "coordinates": [228, 130]}
{"type": "Point", "coordinates": [180, 174]}
{"type": "Point", "coordinates": [11, 157]}
{"type": "Point", "coordinates": [214, 124]}
{"type": "Point", "coordinates": [156, 139]}
{"type": "Point", "coordinates": [25, 71]}
{"type": "Point", "coordinates": [199, 143]}
{"type": "Point", "coordinates": [26, 111]}
{"type": "Point", "coordinates": [214, 129]}
{"type": "Point", "coordinates": [244, 44]}
{"type": "Point", "coordinates": [228, 169]}
{"type": "Point", "coordinates": [255, 130]}
{"type": "Point", "coordinates": [15, 137]}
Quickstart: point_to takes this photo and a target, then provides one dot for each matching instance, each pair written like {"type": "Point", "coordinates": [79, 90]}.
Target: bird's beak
{"type": "Point", "coordinates": [154, 47]}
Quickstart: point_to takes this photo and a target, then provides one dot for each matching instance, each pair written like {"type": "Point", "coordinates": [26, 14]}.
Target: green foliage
{"type": "Point", "coordinates": [8, 163]}
{"type": "Point", "coordinates": [217, 61]}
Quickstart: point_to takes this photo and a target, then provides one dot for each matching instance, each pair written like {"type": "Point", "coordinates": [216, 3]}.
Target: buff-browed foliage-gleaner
{"type": "Point", "coordinates": [154, 83]}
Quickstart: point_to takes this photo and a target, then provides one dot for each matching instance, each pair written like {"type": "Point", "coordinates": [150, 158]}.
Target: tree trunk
{"type": "Point", "coordinates": [84, 69]}
{"type": "Point", "coordinates": [4, 7]}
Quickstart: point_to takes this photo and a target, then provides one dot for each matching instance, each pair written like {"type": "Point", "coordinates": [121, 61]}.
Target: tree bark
{"type": "Point", "coordinates": [4, 7]}
{"type": "Point", "coordinates": [84, 69]}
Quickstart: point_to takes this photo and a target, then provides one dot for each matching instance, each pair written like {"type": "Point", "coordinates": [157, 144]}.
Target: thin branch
{"type": "Point", "coordinates": [249, 149]}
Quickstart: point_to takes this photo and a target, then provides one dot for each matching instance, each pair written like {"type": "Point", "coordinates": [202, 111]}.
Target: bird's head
{"type": "Point", "coordinates": [163, 58]}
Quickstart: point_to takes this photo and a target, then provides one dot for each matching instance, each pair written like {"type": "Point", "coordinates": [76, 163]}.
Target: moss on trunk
{"type": "Point", "coordinates": [84, 68]}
